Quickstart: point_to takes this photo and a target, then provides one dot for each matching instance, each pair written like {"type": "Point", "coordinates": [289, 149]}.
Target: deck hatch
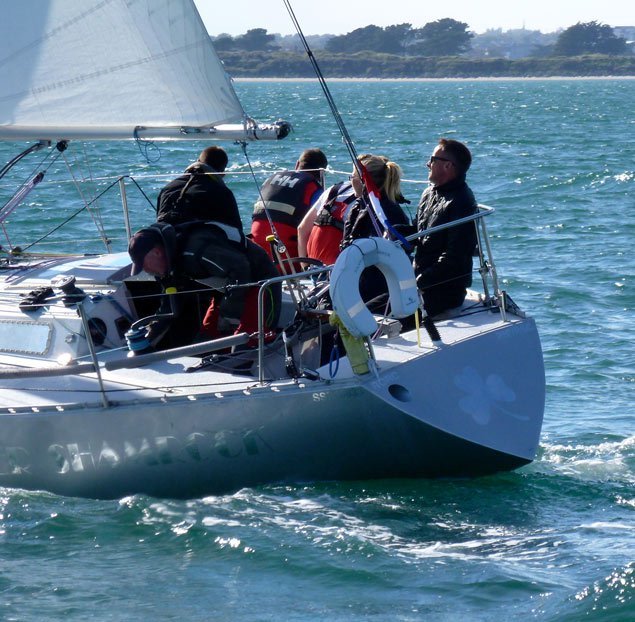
{"type": "Point", "coordinates": [25, 337]}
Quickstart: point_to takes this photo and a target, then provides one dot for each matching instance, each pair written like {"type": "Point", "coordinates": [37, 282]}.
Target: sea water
{"type": "Point", "coordinates": [554, 540]}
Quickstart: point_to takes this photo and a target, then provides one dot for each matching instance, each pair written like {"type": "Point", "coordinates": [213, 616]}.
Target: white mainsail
{"type": "Point", "coordinates": [112, 69]}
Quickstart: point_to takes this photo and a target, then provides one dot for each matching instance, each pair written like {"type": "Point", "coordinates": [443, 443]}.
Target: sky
{"type": "Point", "coordinates": [235, 17]}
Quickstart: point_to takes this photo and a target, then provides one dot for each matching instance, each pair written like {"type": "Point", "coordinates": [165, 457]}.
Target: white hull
{"type": "Point", "coordinates": [468, 406]}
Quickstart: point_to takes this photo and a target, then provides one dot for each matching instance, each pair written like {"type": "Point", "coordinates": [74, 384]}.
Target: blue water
{"type": "Point", "coordinates": [552, 541]}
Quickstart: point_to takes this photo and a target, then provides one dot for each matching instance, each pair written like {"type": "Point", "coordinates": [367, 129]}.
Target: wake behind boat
{"type": "Point", "coordinates": [79, 416]}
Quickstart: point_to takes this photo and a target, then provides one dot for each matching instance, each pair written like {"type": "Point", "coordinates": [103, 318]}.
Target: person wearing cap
{"type": "Point", "coordinates": [202, 252]}
{"type": "Point", "coordinates": [201, 193]}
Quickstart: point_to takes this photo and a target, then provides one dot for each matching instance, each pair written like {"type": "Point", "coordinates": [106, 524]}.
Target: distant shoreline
{"type": "Point", "coordinates": [481, 79]}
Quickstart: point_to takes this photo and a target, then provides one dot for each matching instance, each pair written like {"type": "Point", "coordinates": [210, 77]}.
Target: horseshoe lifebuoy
{"type": "Point", "coordinates": [396, 267]}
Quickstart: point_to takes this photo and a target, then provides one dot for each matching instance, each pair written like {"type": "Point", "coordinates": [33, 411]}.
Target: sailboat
{"type": "Point", "coordinates": [80, 416]}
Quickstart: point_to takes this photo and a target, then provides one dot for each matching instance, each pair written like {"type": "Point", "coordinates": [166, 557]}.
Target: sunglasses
{"type": "Point", "coordinates": [434, 159]}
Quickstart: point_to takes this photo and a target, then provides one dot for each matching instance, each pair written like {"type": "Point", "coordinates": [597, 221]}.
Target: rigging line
{"type": "Point", "coordinates": [90, 176]}
{"type": "Point", "coordinates": [145, 145]}
{"type": "Point", "coordinates": [79, 211]}
{"type": "Point", "coordinates": [87, 205]}
{"type": "Point", "coordinates": [48, 155]}
{"type": "Point", "coordinates": [11, 163]}
{"type": "Point", "coordinates": [140, 189]}
{"type": "Point", "coordinates": [327, 93]}
{"type": "Point", "coordinates": [26, 186]}
{"type": "Point", "coordinates": [280, 248]}
{"type": "Point", "coordinates": [54, 155]}
{"type": "Point", "coordinates": [348, 141]}
{"type": "Point", "coordinates": [243, 144]}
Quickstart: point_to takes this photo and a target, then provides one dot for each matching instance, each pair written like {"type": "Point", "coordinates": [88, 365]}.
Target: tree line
{"type": "Point", "coordinates": [281, 64]}
{"type": "Point", "coordinates": [441, 38]}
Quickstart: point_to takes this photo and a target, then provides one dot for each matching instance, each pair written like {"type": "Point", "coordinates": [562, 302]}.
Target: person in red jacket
{"type": "Point", "coordinates": [321, 230]}
{"type": "Point", "coordinates": [284, 200]}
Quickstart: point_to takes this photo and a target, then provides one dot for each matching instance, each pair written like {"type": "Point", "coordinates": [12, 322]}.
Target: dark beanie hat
{"type": "Point", "coordinates": [141, 243]}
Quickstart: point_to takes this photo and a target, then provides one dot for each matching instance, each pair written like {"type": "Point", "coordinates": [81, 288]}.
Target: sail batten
{"type": "Point", "coordinates": [102, 68]}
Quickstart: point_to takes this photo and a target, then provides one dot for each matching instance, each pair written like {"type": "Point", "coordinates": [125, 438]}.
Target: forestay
{"type": "Point", "coordinates": [110, 69]}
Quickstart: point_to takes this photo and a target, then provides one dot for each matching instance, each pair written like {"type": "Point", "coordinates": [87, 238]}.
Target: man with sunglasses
{"type": "Point", "coordinates": [443, 260]}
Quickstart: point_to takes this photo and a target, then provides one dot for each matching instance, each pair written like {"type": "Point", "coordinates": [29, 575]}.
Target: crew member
{"type": "Point", "coordinates": [203, 253]}
{"type": "Point", "coordinates": [443, 260]}
{"type": "Point", "coordinates": [321, 230]}
{"type": "Point", "coordinates": [285, 198]}
{"type": "Point", "coordinates": [386, 175]}
{"type": "Point", "coordinates": [200, 194]}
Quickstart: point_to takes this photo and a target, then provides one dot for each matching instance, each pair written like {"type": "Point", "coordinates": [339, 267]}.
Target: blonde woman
{"type": "Point", "coordinates": [387, 177]}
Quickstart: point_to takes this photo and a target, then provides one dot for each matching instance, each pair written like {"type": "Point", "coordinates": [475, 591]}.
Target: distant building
{"type": "Point", "coordinates": [510, 44]}
{"type": "Point", "coordinates": [628, 33]}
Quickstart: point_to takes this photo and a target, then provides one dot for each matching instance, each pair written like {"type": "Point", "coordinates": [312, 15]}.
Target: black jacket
{"type": "Point", "coordinates": [358, 223]}
{"type": "Point", "coordinates": [199, 196]}
{"type": "Point", "coordinates": [202, 253]}
{"type": "Point", "coordinates": [443, 260]}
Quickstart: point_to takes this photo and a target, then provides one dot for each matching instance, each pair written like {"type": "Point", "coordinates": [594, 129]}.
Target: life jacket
{"type": "Point", "coordinates": [287, 197]}
{"type": "Point", "coordinates": [333, 211]}
{"type": "Point", "coordinates": [326, 234]}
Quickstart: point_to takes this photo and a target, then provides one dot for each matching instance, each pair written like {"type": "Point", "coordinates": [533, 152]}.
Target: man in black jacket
{"type": "Point", "coordinates": [212, 248]}
{"type": "Point", "coordinates": [205, 254]}
{"type": "Point", "coordinates": [200, 194]}
{"type": "Point", "coordinates": [443, 260]}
